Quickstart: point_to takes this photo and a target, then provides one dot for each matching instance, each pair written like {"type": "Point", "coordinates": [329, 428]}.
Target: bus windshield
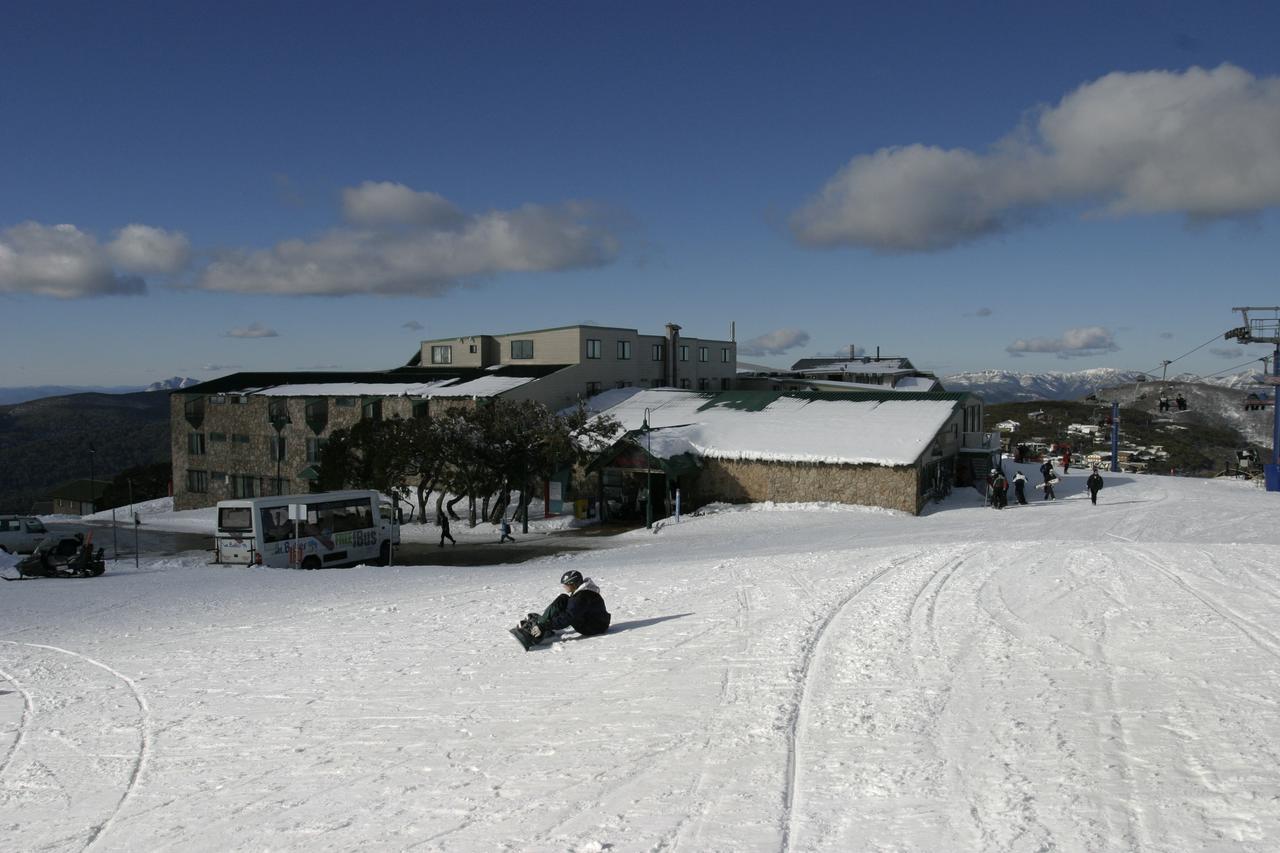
{"type": "Point", "coordinates": [235, 519]}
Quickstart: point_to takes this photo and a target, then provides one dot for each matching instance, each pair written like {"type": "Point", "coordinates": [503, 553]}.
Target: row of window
{"type": "Point", "coordinates": [241, 485]}
{"type": "Point", "coordinates": [703, 385]}
{"type": "Point", "coordinates": [276, 444]}
{"type": "Point", "coordinates": [522, 349]}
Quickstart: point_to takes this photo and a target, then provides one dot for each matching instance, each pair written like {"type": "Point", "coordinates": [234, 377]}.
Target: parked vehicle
{"type": "Point", "coordinates": [334, 529]}
{"type": "Point", "coordinates": [62, 557]}
{"type": "Point", "coordinates": [20, 534]}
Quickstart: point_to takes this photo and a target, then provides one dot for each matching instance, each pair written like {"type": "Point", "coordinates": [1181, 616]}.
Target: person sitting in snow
{"type": "Point", "coordinates": [580, 607]}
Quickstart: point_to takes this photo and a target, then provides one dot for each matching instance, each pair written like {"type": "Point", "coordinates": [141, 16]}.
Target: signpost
{"type": "Point", "coordinates": [297, 514]}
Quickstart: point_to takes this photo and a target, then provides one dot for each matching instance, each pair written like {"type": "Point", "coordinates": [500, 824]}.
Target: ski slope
{"type": "Point", "coordinates": [1057, 676]}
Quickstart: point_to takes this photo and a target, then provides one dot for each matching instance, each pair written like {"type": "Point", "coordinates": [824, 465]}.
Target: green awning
{"type": "Point", "coordinates": [309, 473]}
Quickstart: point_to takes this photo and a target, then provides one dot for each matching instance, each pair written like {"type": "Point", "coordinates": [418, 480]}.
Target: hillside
{"type": "Point", "coordinates": [46, 442]}
{"type": "Point", "coordinates": [1201, 441]}
{"type": "Point", "coordinates": [1006, 386]}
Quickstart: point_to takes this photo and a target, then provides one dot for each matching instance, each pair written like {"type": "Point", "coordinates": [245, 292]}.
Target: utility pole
{"type": "Point", "coordinates": [1265, 329]}
{"type": "Point", "coordinates": [1115, 436]}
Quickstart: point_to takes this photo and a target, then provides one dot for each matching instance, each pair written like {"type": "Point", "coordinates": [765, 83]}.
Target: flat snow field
{"type": "Point", "coordinates": [1058, 676]}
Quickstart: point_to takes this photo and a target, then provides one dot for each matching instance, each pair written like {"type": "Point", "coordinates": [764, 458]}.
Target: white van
{"type": "Point", "coordinates": [339, 529]}
{"type": "Point", "coordinates": [20, 534]}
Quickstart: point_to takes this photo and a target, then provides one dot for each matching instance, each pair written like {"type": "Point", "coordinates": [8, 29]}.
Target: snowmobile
{"type": "Point", "coordinates": [67, 557]}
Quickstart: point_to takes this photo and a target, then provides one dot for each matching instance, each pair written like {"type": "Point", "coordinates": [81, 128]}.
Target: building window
{"type": "Point", "coordinates": [593, 348]}
{"type": "Point", "coordinates": [315, 446]}
{"type": "Point", "coordinates": [522, 349]}
{"type": "Point", "coordinates": [684, 383]}
{"type": "Point", "coordinates": [277, 448]}
{"type": "Point", "coordinates": [372, 410]}
{"type": "Point", "coordinates": [624, 349]}
{"type": "Point", "coordinates": [235, 399]}
{"type": "Point", "coordinates": [704, 353]}
{"type": "Point", "coordinates": [724, 355]}
{"type": "Point", "coordinates": [472, 349]}
{"type": "Point", "coordinates": [239, 438]}
{"type": "Point", "coordinates": [703, 385]}
{"type": "Point", "coordinates": [658, 351]}
{"type": "Point", "coordinates": [195, 443]}
{"type": "Point", "coordinates": [197, 481]}
{"type": "Point", "coordinates": [593, 388]}
{"type": "Point", "coordinates": [421, 409]}
{"type": "Point", "coordinates": [218, 437]}
{"type": "Point", "coordinates": [244, 486]}
{"type": "Point", "coordinates": [724, 384]}
{"type": "Point", "coordinates": [442, 355]}
{"type": "Point", "coordinates": [218, 399]}
{"type": "Point", "coordinates": [684, 352]}
{"type": "Point", "coordinates": [345, 402]}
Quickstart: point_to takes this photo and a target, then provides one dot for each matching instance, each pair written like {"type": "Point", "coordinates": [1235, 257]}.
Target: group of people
{"type": "Point", "coordinates": [442, 519]}
{"type": "Point", "coordinates": [998, 485]}
{"type": "Point", "coordinates": [1180, 401]}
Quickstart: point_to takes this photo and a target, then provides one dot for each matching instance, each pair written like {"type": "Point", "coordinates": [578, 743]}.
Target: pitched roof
{"type": "Point", "coordinates": [862, 427]}
{"type": "Point", "coordinates": [401, 381]}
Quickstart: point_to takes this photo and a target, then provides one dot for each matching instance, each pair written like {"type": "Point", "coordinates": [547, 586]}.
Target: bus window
{"type": "Point", "coordinates": [236, 519]}
{"type": "Point", "coordinates": [276, 526]}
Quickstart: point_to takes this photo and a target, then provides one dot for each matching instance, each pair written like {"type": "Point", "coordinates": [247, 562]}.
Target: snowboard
{"type": "Point", "coordinates": [525, 639]}
{"type": "Point", "coordinates": [1052, 482]}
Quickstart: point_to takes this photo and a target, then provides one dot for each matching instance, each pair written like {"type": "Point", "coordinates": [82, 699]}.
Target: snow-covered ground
{"type": "Point", "coordinates": [1058, 676]}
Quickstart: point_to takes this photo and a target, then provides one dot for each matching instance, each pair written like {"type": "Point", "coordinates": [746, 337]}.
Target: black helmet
{"type": "Point", "coordinates": [573, 577]}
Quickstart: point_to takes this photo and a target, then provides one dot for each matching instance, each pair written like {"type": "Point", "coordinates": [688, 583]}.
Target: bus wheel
{"type": "Point", "coordinates": [310, 563]}
{"type": "Point", "coordinates": [384, 553]}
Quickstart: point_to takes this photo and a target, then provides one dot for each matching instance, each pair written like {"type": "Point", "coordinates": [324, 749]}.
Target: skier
{"type": "Point", "coordinates": [505, 528]}
{"type": "Point", "coordinates": [580, 607]}
{"type": "Point", "coordinates": [1049, 478]}
{"type": "Point", "coordinates": [442, 519]}
{"type": "Point", "coordinates": [1095, 485]}
{"type": "Point", "coordinates": [1066, 459]}
{"type": "Point", "coordinates": [1019, 488]}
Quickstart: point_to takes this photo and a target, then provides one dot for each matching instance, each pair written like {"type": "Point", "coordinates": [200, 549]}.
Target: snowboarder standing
{"type": "Point", "coordinates": [580, 606]}
{"type": "Point", "coordinates": [1049, 478]}
{"type": "Point", "coordinates": [1020, 487]}
{"type": "Point", "coordinates": [1095, 485]}
{"type": "Point", "coordinates": [442, 518]}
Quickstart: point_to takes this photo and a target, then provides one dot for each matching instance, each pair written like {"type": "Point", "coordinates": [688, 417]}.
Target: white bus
{"type": "Point", "coordinates": [340, 529]}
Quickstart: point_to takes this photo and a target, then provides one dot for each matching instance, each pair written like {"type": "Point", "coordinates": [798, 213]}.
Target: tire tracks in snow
{"type": "Point", "coordinates": [28, 713]}
{"type": "Point", "coordinates": [97, 832]}
{"type": "Point", "coordinates": [797, 721]}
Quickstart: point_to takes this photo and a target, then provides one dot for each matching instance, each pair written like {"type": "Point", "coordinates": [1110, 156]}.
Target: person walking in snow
{"type": "Point", "coordinates": [442, 519]}
{"type": "Point", "coordinates": [580, 607]}
{"type": "Point", "coordinates": [1095, 485]}
{"type": "Point", "coordinates": [505, 529]}
{"type": "Point", "coordinates": [1049, 477]}
{"type": "Point", "coordinates": [1000, 490]}
{"type": "Point", "coordinates": [1020, 488]}
{"type": "Point", "coordinates": [1066, 459]}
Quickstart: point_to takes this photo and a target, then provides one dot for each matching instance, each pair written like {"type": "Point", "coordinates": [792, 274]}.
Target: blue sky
{"type": "Point", "coordinates": [197, 189]}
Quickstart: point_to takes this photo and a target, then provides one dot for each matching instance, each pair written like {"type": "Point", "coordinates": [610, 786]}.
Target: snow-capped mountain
{"type": "Point", "coordinates": [1005, 386]}
{"type": "Point", "coordinates": [172, 384]}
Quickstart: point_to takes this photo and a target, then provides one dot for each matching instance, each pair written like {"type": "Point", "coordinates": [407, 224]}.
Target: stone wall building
{"type": "Point", "coordinates": [886, 449]}
{"type": "Point", "coordinates": [260, 433]}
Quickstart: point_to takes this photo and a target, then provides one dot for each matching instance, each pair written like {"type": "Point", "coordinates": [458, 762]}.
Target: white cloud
{"type": "Point", "coordinates": [774, 343]}
{"type": "Point", "coordinates": [983, 312]}
{"type": "Point", "coordinates": [59, 261]}
{"type": "Point", "coordinates": [253, 330]}
{"type": "Point", "coordinates": [214, 368]}
{"type": "Point", "coordinates": [1074, 343]}
{"type": "Point", "coordinates": [412, 324]}
{"type": "Point", "coordinates": [407, 242]}
{"type": "Point", "coordinates": [1204, 143]}
{"type": "Point", "coordinates": [143, 249]}
{"type": "Point", "coordinates": [1228, 352]}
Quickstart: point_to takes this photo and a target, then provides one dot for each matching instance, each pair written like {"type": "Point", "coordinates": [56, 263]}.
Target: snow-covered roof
{"type": "Point", "coordinates": [870, 367]}
{"type": "Point", "coordinates": [484, 386]}
{"type": "Point", "coordinates": [841, 429]}
{"type": "Point", "coordinates": [917, 383]}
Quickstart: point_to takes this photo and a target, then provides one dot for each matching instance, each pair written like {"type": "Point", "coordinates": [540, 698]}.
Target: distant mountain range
{"type": "Point", "coordinates": [1005, 386]}
{"type": "Point", "coordinates": [13, 396]}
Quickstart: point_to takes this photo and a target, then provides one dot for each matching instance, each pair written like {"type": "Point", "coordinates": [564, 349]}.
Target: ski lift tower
{"type": "Point", "coordinates": [1264, 328]}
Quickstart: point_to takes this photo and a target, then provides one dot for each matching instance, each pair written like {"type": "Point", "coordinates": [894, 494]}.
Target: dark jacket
{"type": "Point", "coordinates": [584, 611]}
{"type": "Point", "coordinates": [1094, 482]}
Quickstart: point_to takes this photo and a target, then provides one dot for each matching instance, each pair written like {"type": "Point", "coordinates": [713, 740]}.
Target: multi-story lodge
{"type": "Point", "coordinates": [838, 373]}
{"type": "Point", "coordinates": [250, 434]}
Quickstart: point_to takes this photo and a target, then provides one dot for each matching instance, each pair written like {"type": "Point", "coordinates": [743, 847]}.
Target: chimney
{"type": "Point", "coordinates": [673, 339]}
{"type": "Point", "coordinates": [853, 351]}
